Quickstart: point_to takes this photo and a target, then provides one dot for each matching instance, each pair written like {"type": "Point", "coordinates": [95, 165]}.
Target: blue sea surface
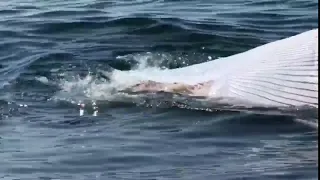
{"type": "Point", "coordinates": [52, 54]}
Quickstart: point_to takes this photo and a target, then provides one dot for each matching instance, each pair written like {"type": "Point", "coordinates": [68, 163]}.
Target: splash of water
{"type": "Point", "coordinates": [105, 87]}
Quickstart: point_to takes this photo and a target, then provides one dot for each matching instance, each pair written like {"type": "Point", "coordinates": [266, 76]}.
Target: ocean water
{"type": "Point", "coordinates": [55, 56]}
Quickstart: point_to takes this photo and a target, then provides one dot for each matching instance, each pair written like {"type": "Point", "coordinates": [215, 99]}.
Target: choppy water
{"type": "Point", "coordinates": [51, 56]}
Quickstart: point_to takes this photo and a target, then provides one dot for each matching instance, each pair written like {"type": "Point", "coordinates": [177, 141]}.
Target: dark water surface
{"type": "Point", "coordinates": [51, 53]}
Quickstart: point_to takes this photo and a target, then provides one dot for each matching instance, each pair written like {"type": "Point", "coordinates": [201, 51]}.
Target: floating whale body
{"type": "Point", "coordinates": [280, 73]}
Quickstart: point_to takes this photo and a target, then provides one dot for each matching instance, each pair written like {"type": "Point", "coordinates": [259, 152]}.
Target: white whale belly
{"type": "Point", "coordinates": [281, 73]}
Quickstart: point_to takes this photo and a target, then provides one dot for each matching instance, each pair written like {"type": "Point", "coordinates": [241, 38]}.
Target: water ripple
{"type": "Point", "coordinates": [53, 56]}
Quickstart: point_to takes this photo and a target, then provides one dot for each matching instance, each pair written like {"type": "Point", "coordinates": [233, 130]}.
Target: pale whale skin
{"type": "Point", "coordinates": [281, 73]}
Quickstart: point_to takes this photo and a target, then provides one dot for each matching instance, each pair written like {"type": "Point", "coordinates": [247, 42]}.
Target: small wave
{"type": "Point", "coordinates": [64, 13]}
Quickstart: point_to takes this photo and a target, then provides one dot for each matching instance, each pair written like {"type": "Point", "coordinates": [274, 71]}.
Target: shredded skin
{"type": "Point", "coordinates": [200, 89]}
